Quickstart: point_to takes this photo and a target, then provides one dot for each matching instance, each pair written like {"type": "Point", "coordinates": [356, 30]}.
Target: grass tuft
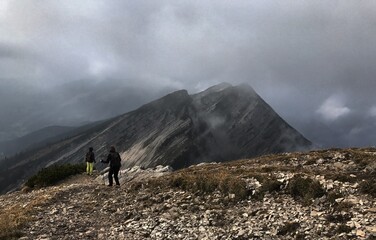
{"type": "Point", "coordinates": [220, 181]}
{"type": "Point", "coordinates": [13, 218]}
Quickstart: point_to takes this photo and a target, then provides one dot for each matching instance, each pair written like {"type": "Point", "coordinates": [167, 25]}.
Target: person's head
{"type": "Point", "coordinates": [90, 149]}
{"type": "Point", "coordinates": [112, 149]}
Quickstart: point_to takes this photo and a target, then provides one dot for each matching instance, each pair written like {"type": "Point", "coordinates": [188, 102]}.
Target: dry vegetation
{"type": "Point", "coordinates": [13, 217]}
{"type": "Point", "coordinates": [231, 178]}
{"type": "Point", "coordinates": [292, 174]}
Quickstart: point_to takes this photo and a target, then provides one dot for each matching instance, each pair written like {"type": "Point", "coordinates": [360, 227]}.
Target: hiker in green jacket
{"type": "Point", "coordinates": [90, 160]}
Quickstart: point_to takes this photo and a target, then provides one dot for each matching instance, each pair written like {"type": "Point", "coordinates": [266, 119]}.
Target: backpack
{"type": "Point", "coordinates": [115, 159]}
{"type": "Point", "coordinates": [89, 157]}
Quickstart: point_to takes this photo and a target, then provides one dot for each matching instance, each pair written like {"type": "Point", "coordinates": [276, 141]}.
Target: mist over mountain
{"type": "Point", "coordinates": [32, 140]}
{"type": "Point", "coordinates": [72, 103]}
{"type": "Point", "coordinates": [41, 138]}
{"type": "Point", "coordinates": [61, 63]}
{"type": "Point", "coordinates": [219, 124]}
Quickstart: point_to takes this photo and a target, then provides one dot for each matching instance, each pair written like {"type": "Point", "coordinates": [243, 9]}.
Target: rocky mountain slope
{"type": "Point", "coordinates": [327, 194]}
{"type": "Point", "coordinates": [220, 124]}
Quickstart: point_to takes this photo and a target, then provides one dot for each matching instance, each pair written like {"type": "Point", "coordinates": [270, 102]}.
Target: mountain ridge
{"type": "Point", "coordinates": [221, 123]}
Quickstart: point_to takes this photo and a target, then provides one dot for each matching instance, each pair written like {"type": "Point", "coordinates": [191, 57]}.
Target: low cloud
{"type": "Point", "coordinates": [333, 108]}
{"type": "Point", "coordinates": [372, 111]}
{"type": "Point", "coordinates": [62, 62]}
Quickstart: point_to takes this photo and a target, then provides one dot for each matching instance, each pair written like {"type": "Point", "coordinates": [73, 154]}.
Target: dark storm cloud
{"type": "Point", "coordinates": [312, 61]}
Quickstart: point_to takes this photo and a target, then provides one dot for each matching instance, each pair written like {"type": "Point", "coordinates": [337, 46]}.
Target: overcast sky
{"type": "Point", "coordinates": [67, 62]}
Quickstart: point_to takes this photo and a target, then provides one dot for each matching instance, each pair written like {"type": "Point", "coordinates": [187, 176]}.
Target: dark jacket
{"type": "Point", "coordinates": [90, 157]}
{"type": "Point", "coordinates": [114, 159]}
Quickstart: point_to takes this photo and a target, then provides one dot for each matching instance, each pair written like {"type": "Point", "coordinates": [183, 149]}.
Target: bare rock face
{"type": "Point", "coordinates": [220, 124]}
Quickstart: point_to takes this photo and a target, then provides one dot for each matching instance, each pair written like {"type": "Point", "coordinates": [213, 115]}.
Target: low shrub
{"type": "Point", "coordinates": [332, 196]}
{"type": "Point", "coordinates": [53, 174]}
{"type": "Point", "coordinates": [343, 228]}
{"type": "Point", "coordinates": [336, 230]}
{"type": "Point", "coordinates": [344, 177]}
{"type": "Point", "coordinates": [338, 218]}
{"type": "Point", "coordinates": [368, 186]}
{"type": "Point", "coordinates": [344, 206]}
{"type": "Point", "coordinates": [268, 185]}
{"type": "Point", "coordinates": [305, 189]}
{"type": "Point", "coordinates": [271, 186]}
{"type": "Point", "coordinates": [208, 183]}
{"type": "Point", "coordinates": [310, 162]}
{"type": "Point", "coordinates": [289, 227]}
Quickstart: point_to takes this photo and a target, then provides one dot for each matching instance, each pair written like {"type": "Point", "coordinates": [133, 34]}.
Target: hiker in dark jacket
{"type": "Point", "coordinates": [115, 163]}
{"type": "Point", "coordinates": [90, 160]}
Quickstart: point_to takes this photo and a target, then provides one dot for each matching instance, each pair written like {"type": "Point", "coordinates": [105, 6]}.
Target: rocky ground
{"type": "Point", "coordinates": [246, 199]}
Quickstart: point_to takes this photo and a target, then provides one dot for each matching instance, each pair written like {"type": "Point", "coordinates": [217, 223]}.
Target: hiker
{"type": "Point", "coordinates": [90, 160]}
{"type": "Point", "coordinates": [115, 163]}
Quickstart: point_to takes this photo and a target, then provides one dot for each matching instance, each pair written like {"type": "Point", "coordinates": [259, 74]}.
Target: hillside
{"type": "Point", "coordinates": [220, 124]}
{"type": "Point", "coordinates": [328, 194]}
{"type": "Point", "coordinates": [33, 140]}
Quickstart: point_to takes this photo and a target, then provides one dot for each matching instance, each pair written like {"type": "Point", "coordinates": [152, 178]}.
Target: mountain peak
{"type": "Point", "coordinates": [216, 88]}
{"type": "Point", "coordinates": [220, 124]}
{"type": "Point", "coordinates": [225, 87]}
{"type": "Point", "coordinates": [245, 87]}
{"type": "Point", "coordinates": [219, 87]}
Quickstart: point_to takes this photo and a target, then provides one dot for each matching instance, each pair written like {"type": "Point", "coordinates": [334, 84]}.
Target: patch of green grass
{"type": "Point", "coordinates": [53, 174]}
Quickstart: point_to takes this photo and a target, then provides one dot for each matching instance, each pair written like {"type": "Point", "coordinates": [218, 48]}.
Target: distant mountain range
{"type": "Point", "coordinates": [33, 140]}
{"type": "Point", "coordinates": [219, 124]}
{"type": "Point", "coordinates": [41, 138]}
